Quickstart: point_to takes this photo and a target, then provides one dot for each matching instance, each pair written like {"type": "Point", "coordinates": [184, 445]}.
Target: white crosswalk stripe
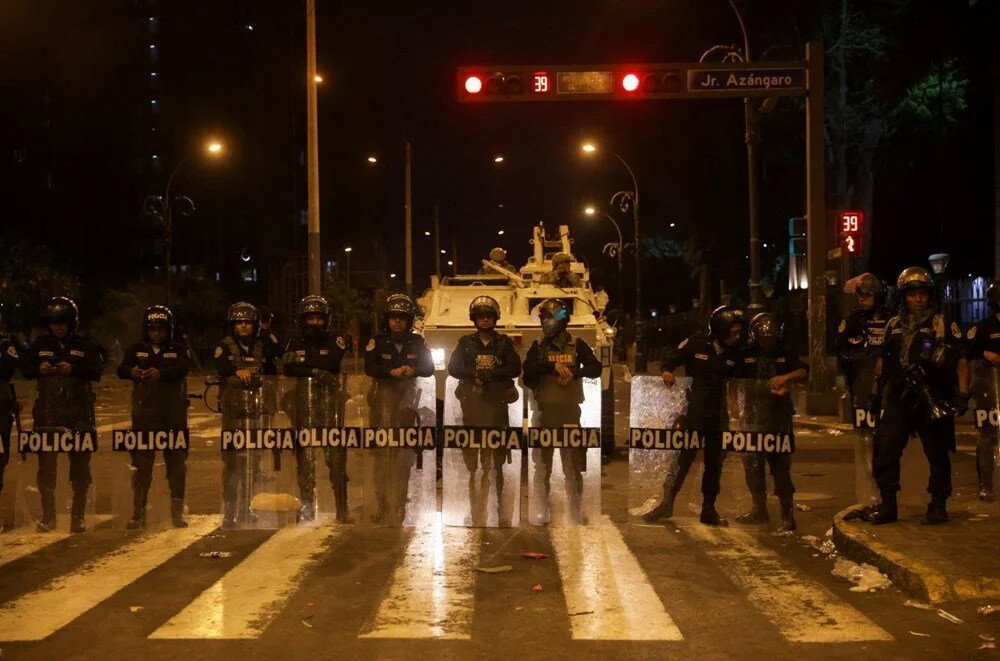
{"type": "Point", "coordinates": [243, 602]}
{"type": "Point", "coordinates": [40, 613]}
{"type": "Point", "coordinates": [803, 611]}
{"type": "Point", "coordinates": [432, 590]}
{"type": "Point", "coordinates": [608, 596]}
{"type": "Point", "coordinates": [20, 543]}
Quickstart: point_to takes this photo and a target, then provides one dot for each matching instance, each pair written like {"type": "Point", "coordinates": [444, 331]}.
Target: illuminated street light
{"type": "Point", "coordinates": [590, 211]}
{"type": "Point", "coordinates": [214, 147]}
{"type": "Point", "coordinates": [498, 159]}
{"type": "Point", "coordinates": [442, 252]}
{"type": "Point", "coordinates": [317, 78]}
{"type": "Point", "coordinates": [392, 275]}
{"type": "Point", "coordinates": [451, 263]}
{"type": "Point", "coordinates": [372, 160]}
{"type": "Point", "coordinates": [588, 147]}
{"type": "Point", "coordinates": [427, 233]}
{"type": "Point", "coordinates": [348, 249]}
{"type": "Point", "coordinates": [500, 233]}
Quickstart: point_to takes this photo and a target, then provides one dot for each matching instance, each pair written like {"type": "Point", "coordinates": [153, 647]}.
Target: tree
{"type": "Point", "coordinates": [28, 277]}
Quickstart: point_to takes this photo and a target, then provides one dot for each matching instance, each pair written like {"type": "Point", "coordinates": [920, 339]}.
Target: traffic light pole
{"type": "Point", "coordinates": [312, 148]}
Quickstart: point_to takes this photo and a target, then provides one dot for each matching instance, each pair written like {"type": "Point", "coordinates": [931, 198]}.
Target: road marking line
{"type": "Point", "coordinates": [19, 543]}
{"type": "Point", "coordinates": [38, 614]}
{"type": "Point", "coordinates": [243, 603]}
{"type": "Point", "coordinates": [603, 582]}
{"type": "Point", "coordinates": [803, 610]}
{"type": "Point", "coordinates": [432, 593]}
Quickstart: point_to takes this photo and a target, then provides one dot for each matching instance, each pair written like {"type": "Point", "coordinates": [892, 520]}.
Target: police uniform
{"type": "Point", "coordinates": [158, 405]}
{"type": "Point", "coordinates": [858, 341]}
{"type": "Point", "coordinates": [393, 403]}
{"type": "Point", "coordinates": [904, 409]}
{"type": "Point", "coordinates": [985, 336]}
{"type": "Point", "coordinates": [494, 364]}
{"type": "Point", "coordinates": [708, 364]}
{"type": "Point", "coordinates": [559, 406]}
{"type": "Point", "coordinates": [243, 407]}
{"type": "Point", "coordinates": [562, 279]}
{"type": "Point", "coordinates": [64, 401]}
{"type": "Point", "coordinates": [318, 357]}
{"type": "Point", "coordinates": [9, 361]}
{"type": "Point", "coordinates": [770, 413]}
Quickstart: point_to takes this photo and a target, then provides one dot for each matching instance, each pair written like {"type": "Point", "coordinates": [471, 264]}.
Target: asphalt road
{"type": "Point", "coordinates": [611, 589]}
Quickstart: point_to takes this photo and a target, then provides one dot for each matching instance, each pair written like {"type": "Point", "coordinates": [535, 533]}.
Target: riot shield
{"type": "Point", "coordinates": [56, 446]}
{"type": "Point", "coordinates": [149, 457]}
{"type": "Point", "coordinates": [986, 412]}
{"type": "Point", "coordinates": [400, 460]}
{"type": "Point", "coordinates": [656, 412]}
{"type": "Point", "coordinates": [324, 447]}
{"type": "Point", "coordinates": [256, 435]}
{"type": "Point", "coordinates": [481, 464]}
{"type": "Point", "coordinates": [564, 467]}
{"type": "Point", "coordinates": [862, 374]}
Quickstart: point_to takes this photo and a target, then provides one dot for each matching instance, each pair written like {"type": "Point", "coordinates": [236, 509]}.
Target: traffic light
{"type": "Point", "coordinates": [552, 83]}
{"type": "Point", "coordinates": [849, 227]}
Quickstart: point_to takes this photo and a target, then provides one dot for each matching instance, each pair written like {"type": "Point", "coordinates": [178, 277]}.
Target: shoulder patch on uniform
{"type": "Point", "coordinates": [12, 351]}
{"type": "Point", "coordinates": [218, 352]}
{"type": "Point", "coordinates": [956, 331]}
{"type": "Point", "coordinates": [341, 343]}
{"type": "Point", "coordinates": [682, 344]}
{"type": "Point", "coordinates": [843, 326]}
{"type": "Point", "coordinates": [371, 345]}
{"type": "Point", "coordinates": [972, 332]}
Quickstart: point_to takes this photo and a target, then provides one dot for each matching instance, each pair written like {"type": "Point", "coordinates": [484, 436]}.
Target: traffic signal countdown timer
{"type": "Point", "coordinates": [615, 81]}
{"type": "Point", "coordinates": [849, 229]}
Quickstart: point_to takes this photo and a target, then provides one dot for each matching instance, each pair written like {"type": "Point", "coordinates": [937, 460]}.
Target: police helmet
{"type": "Point", "coordinates": [554, 316]}
{"type": "Point", "coordinates": [484, 305]}
{"type": "Point", "coordinates": [869, 285]}
{"type": "Point", "coordinates": [561, 258]}
{"type": "Point", "coordinates": [914, 277]}
{"type": "Point", "coordinates": [400, 304]}
{"type": "Point", "coordinates": [61, 309]}
{"type": "Point", "coordinates": [764, 326]}
{"type": "Point", "coordinates": [158, 316]}
{"type": "Point", "coordinates": [993, 296]}
{"type": "Point", "coordinates": [313, 304]}
{"type": "Point", "coordinates": [722, 319]}
{"type": "Point", "coordinates": [498, 254]}
{"type": "Point", "coordinates": [243, 311]}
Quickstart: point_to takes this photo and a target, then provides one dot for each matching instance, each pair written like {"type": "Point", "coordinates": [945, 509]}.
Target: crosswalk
{"type": "Point", "coordinates": [429, 589]}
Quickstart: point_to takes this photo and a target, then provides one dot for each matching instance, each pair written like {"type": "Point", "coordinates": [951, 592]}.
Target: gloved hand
{"type": "Point", "coordinates": [324, 377]}
{"type": "Point", "coordinates": [960, 403]}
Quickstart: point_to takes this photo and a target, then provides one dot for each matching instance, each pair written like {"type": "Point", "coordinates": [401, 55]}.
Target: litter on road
{"type": "Point", "coordinates": [216, 554]}
{"type": "Point", "coordinates": [918, 604]}
{"type": "Point", "coordinates": [495, 570]}
{"type": "Point", "coordinates": [865, 577]}
{"type": "Point", "coordinates": [988, 610]}
{"type": "Point", "coordinates": [948, 616]}
{"type": "Point", "coordinates": [534, 555]}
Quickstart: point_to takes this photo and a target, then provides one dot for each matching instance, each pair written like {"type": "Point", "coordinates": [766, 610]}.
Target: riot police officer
{"type": "Point", "coordinates": [983, 345]}
{"type": "Point", "coordinates": [9, 361]}
{"type": "Point", "coordinates": [772, 366]}
{"type": "Point", "coordinates": [485, 363]}
{"type": "Point", "coordinates": [926, 383]}
{"type": "Point", "coordinates": [553, 369]}
{"type": "Point", "coordinates": [158, 367]}
{"type": "Point", "coordinates": [498, 257]}
{"type": "Point", "coordinates": [65, 364]}
{"type": "Point", "coordinates": [561, 275]}
{"type": "Point", "coordinates": [393, 359]}
{"type": "Point", "coordinates": [317, 354]}
{"type": "Point", "coordinates": [859, 338]}
{"type": "Point", "coordinates": [708, 360]}
{"type": "Point", "coordinates": [241, 359]}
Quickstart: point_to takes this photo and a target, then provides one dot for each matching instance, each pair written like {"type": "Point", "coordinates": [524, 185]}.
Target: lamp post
{"type": "Point", "coordinates": [619, 253]}
{"type": "Point", "coordinates": [347, 284]}
{"type": "Point", "coordinates": [163, 209]}
{"type": "Point", "coordinates": [626, 200]}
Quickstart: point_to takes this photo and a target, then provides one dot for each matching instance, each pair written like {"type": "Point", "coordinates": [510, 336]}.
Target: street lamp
{"type": "Point", "coordinates": [163, 209]}
{"type": "Point", "coordinates": [347, 282]}
{"type": "Point", "coordinates": [498, 158]}
{"type": "Point", "coordinates": [624, 200]}
{"type": "Point", "coordinates": [318, 78]}
{"type": "Point", "coordinates": [372, 159]}
{"type": "Point", "coordinates": [614, 250]}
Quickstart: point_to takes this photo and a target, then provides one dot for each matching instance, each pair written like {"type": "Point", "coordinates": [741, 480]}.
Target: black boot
{"type": "Point", "coordinates": [177, 513]}
{"type": "Point", "coordinates": [758, 514]}
{"type": "Point", "coordinates": [138, 520]}
{"type": "Point", "coordinates": [787, 516]}
{"type": "Point", "coordinates": [79, 507]}
{"type": "Point", "coordinates": [664, 510]}
{"type": "Point", "coordinates": [710, 517]}
{"type": "Point", "coordinates": [48, 522]}
{"type": "Point", "coordinates": [936, 514]}
{"type": "Point", "coordinates": [340, 497]}
{"type": "Point", "coordinates": [229, 515]}
{"type": "Point", "coordinates": [885, 511]}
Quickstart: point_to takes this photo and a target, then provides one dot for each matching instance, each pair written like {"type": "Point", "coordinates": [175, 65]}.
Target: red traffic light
{"type": "Point", "coordinates": [473, 84]}
{"type": "Point", "coordinates": [630, 82]}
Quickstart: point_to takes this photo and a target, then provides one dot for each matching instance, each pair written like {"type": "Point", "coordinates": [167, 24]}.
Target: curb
{"type": "Point", "coordinates": [908, 574]}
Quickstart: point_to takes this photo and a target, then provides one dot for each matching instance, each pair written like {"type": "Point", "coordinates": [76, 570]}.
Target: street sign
{"type": "Point", "coordinates": [747, 80]}
{"type": "Point", "coordinates": [609, 82]}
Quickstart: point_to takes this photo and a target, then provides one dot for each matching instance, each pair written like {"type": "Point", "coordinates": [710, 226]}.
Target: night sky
{"type": "Point", "coordinates": [76, 79]}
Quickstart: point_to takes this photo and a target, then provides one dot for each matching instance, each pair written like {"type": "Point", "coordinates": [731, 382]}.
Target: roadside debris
{"type": "Point", "coordinates": [918, 604]}
{"type": "Point", "coordinates": [948, 616]}
{"type": "Point", "coordinates": [136, 609]}
{"type": "Point", "coordinates": [495, 570]}
{"type": "Point", "coordinates": [537, 588]}
{"type": "Point", "coordinates": [581, 613]}
{"type": "Point", "coordinates": [922, 635]}
{"type": "Point", "coordinates": [216, 554]}
{"type": "Point", "coordinates": [988, 610]}
{"type": "Point", "coordinates": [645, 508]}
{"type": "Point", "coordinates": [865, 577]}
{"type": "Point", "coordinates": [802, 508]}
{"type": "Point", "coordinates": [534, 555]}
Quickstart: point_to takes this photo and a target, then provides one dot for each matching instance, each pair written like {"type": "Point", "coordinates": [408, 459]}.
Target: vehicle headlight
{"type": "Point", "coordinates": [610, 331]}
{"type": "Point", "coordinates": [437, 355]}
